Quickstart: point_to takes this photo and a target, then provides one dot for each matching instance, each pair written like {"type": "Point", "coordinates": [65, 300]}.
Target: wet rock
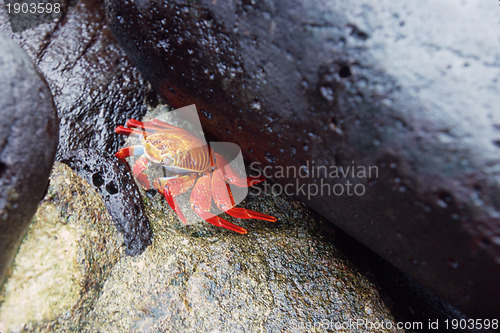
{"type": "Point", "coordinates": [94, 85]}
{"type": "Point", "coordinates": [28, 142]}
{"type": "Point", "coordinates": [112, 179]}
{"type": "Point", "coordinates": [26, 18]}
{"type": "Point", "coordinates": [281, 276]}
{"type": "Point", "coordinates": [69, 251]}
{"type": "Point", "coordinates": [408, 88]}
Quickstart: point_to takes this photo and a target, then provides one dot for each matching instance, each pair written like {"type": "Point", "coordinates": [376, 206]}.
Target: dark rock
{"type": "Point", "coordinates": [28, 142]}
{"type": "Point", "coordinates": [95, 89]}
{"type": "Point", "coordinates": [371, 83]}
{"type": "Point", "coordinates": [94, 85]}
{"type": "Point", "coordinates": [37, 12]}
{"type": "Point", "coordinates": [112, 179]}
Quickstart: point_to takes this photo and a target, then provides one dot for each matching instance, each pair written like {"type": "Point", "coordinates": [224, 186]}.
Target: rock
{"type": "Point", "coordinates": [280, 276]}
{"type": "Point", "coordinates": [22, 18]}
{"type": "Point", "coordinates": [94, 85]}
{"type": "Point", "coordinates": [28, 142]}
{"type": "Point", "coordinates": [408, 88]}
{"type": "Point", "coordinates": [113, 180]}
{"type": "Point", "coordinates": [69, 251]}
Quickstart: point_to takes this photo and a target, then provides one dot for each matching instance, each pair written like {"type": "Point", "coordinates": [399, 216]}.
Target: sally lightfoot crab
{"type": "Point", "coordinates": [195, 166]}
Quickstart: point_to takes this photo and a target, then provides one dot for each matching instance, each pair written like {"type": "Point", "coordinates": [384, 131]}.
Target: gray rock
{"type": "Point", "coordinates": [408, 88]}
{"type": "Point", "coordinates": [94, 85]}
{"type": "Point", "coordinates": [28, 142]}
{"type": "Point", "coordinates": [72, 275]}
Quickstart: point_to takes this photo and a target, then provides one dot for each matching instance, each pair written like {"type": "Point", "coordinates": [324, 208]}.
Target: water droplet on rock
{"type": "Point", "coordinates": [327, 93]}
{"type": "Point", "coordinates": [256, 105]}
{"type": "Point", "coordinates": [270, 158]}
{"type": "Point", "coordinates": [206, 114]}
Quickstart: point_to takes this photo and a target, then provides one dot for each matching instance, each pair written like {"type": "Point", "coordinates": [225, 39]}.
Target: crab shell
{"type": "Point", "coordinates": [178, 150]}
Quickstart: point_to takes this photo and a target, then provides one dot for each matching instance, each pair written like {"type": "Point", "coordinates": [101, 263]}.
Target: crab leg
{"type": "Point", "coordinates": [129, 131]}
{"type": "Point", "coordinates": [224, 200]}
{"type": "Point", "coordinates": [138, 170]}
{"type": "Point", "coordinates": [130, 151]}
{"type": "Point", "coordinates": [163, 125]}
{"type": "Point", "coordinates": [154, 124]}
{"type": "Point", "coordinates": [231, 176]}
{"type": "Point", "coordinates": [201, 199]}
{"type": "Point", "coordinates": [171, 187]}
{"type": "Point", "coordinates": [132, 123]}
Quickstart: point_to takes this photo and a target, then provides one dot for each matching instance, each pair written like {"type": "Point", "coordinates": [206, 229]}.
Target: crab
{"type": "Point", "coordinates": [195, 165]}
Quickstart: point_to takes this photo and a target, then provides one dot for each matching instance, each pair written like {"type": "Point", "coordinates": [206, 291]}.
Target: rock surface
{"type": "Point", "coordinates": [28, 142]}
{"type": "Point", "coordinates": [68, 252]}
{"type": "Point", "coordinates": [409, 88]}
{"type": "Point", "coordinates": [113, 180]}
{"type": "Point", "coordinates": [197, 278]}
{"type": "Point", "coordinates": [21, 18]}
{"type": "Point", "coordinates": [94, 85]}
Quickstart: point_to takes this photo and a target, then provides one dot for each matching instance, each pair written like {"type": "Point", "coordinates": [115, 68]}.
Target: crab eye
{"type": "Point", "coordinates": [167, 161]}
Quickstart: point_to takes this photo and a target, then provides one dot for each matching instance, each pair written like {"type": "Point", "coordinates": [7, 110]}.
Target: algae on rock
{"type": "Point", "coordinates": [65, 256]}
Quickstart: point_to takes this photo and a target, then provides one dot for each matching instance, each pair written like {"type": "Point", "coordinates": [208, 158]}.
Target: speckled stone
{"type": "Point", "coordinates": [69, 250]}
{"type": "Point", "coordinates": [71, 274]}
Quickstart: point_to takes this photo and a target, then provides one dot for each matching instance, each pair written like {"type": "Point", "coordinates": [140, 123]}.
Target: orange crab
{"type": "Point", "coordinates": [196, 166]}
